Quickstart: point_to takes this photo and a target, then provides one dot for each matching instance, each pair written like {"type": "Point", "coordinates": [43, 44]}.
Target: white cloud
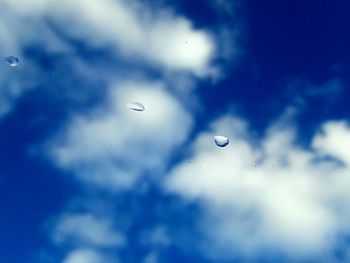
{"type": "Point", "coordinates": [127, 28]}
{"type": "Point", "coordinates": [114, 146]}
{"type": "Point", "coordinates": [334, 141]}
{"type": "Point", "coordinates": [272, 194]}
{"type": "Point", "coordinates": [130, 30]}
{"type": "Point", "coordinates": [111, 147]}
{"type": "Point", "coordinates": [85, 256]}
{"type": "Point", "coordinates": [87, 229]}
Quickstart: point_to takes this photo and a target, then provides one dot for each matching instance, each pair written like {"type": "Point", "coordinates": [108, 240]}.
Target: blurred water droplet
{"type": "Point", "coordinates": [221, 141]}
{"type": "Point", "coordinates": [12, 61]}
{"type": "Point", "coordinates": [136, 106]}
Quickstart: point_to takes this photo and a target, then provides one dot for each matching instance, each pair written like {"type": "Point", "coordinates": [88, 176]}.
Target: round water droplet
{"type": "Point", "coordinates": [136, 106]}
{"type": "Point", "coordinates": [221, 141]}
{"type": "Point", "coordinates": [12, 61]}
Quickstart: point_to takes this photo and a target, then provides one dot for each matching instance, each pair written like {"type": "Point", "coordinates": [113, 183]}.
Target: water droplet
{"type": "Point", "coordinates": [136, 106]}
{"type": "Point", "coordinates": [221, 141]}
{"type": "Point", "coordinates": [12, 61]}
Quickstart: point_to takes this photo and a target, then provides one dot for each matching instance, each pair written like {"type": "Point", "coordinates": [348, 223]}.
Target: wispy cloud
{"type": "Point", "coordinates": [302, 91]}
{"type": "Point", "coordinates": [87, 256]}
{"type": "Point", "coordinates": [88, 230]}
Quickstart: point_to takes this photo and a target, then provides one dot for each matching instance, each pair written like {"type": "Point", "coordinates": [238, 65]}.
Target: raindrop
{"type": "Point", "coordinates": [221, 141]}
{"type": "Point", "coordinates": [136, 106]}
{"type": "Point", "coordinates": [12, 61]}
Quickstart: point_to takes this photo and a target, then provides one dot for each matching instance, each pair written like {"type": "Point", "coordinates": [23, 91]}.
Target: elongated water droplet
{"type": "Point", "coordinates": [221, 141]}
{"type": "Point", "coordinates": [136, 106]}
{"type": "Point", "coordinates": [12, 61]}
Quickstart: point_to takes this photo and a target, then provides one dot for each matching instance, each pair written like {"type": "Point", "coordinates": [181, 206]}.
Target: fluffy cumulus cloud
{"type": "Point", "coordinates": [128, 30]}
{"type": "Point", "coordinates": [107, 147]}
{"type": "Point", "coordinates": [334, 140]}
{"type": "Point", "coordinates": [268, 194]}
{"type": "Point", "coordinates": [257, 195]}
{"type": "Point", "coordinates": [125, 27]}
{"type": "Point", "coordinates": [114, 146]}
{"type": "Point", "coordinates": [111, 146]}
{"type": "Point", "coordinates": [87, 237]}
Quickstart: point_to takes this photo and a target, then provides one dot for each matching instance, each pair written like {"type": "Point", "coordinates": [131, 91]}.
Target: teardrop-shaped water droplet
{"type": "Point", "coordinates": [12, 61]}
{"type": "Point", "coordinates": [136, 106]}
{"type": "Point", "coordinates": [221, 141]}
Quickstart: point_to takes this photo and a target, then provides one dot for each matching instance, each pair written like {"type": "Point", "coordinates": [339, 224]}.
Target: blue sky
{"type": "Point", "coordinates": [84, 179]}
